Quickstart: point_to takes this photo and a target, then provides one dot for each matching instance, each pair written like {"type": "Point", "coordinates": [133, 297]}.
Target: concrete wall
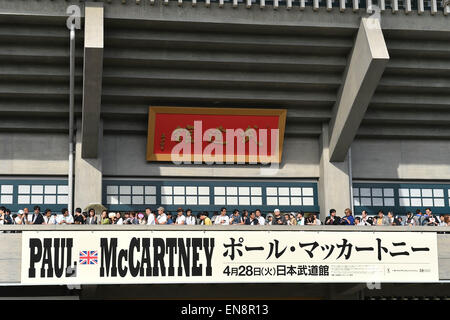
{"type": "Point", "coordinates": [124, 155]}
{"type": "Point", "coordinates": [401, 159]}
{"type": "Point", "coordinates": [33, 153]}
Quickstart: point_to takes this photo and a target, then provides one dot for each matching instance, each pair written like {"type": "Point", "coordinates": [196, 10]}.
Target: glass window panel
{"type": "Point", "coordinates": [24, 189]}
{"type": "Point", "coordinates": [244, 191]}
{"type": "Point", "coordinates": [404, 202]}
{"type": "Point", "coordinates": [219, 191]}
{"type": "Point", "coordinates": [150, 189]}
{"type": "Point", "coordinates": [178, 190]}
{"type": "Point", "coordinates": [203, 190]}
{"type": "Point", "coordinates": [272, 201]}
{"type": "Point", "coordinates": [125, 190]}
{"type": "Point", "coordinates": [38, 190]}
{"type": "Point", "coordinates": [308, 191]}
{"type": "Point", "coordinates": [111, 190]}
{"type": "Point", "coordinates": [256, 191]}
{"type": "Point", "coordinates": [138, 190]}
{"type": "Point", "coordinates": [7, 188]}
{"type": "Point", "coordinates": [271, 191]}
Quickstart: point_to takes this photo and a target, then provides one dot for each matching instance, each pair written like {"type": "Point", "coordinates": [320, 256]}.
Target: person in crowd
{"type": "Point", "coordinates": [260, 218]}
{"type": "Point", "coordinates": [252, 219]}
{"type": "Point", "coordinates": [190, 219]}
{"type": "Point", "coordinates": [66, 217]}
{"type": "Point", "coordinates": [236, 218]}
{"type": "Point", "coordinates": [28, 218]}
{"type": "Point", "coordinates": [162, 217]}
{"type": "Point", "coordinates": [348, 220]}
{"type": "Point", "coordinates": [7, 217]}
{"type": "Point", "coordinates": [269, 219]}
{"type": "Point", "coordinates": [442, 222]}
{"type": "Point", "coordinates": [390, 216]}
{"type": "Point", "coordinates": [430, 219]}
{"type": "Point", "coordinates": [151, 219]}
{"type": "Point", "coordinates": [381, 220]}
{"type": "Point", "coordinates": [79, 218]}
{"type": "Point", "coordinates": [204, 219]}
{"type": "Point", "coordinates": [181, 219]}
{"type": "Point", "coordinates": [118, 219]}
{"type": "Point", "coordinates": [312, 220]}
{"type": "Point", "coordinates": [292, 219]}
{"type": "Point", "coordinates": [20, 217]}
{"type": "Point", "coordinates": [332, 219]}
{"type": "Point", "coordinates": [409, 221]}
{"type": "Point", "coordinates": [398, 221]}
{"type": "Point", "coordinates": [277, 218]}
{"type": "Point", "coordinates": [365, 219]}
{"type": "Point", "coordinates": [92, 218]}
{"type": "Point", "coordinates": [37, 217]}
{"type": "Point", "coordinates": [358, 221]}
{"type": "Point", "coordinates": [104, 218]}
{"type": "Point", "coordinates": [169, 218]}
{"type": "Point", "coordinates": [134, 218]}
{"type": "Point", "coordinates": [300, 219]}
{"type": "Point", "coordinates": [141, 218]}
{"type": "Point", "coordinates": [244, 216]}
{"type": "Point", "coordinates": [48, 217]}
{"type": "Point", "coordinates": [419, 217]}
{"type": "Point", "coordinates": [215, 215]}
{"type": "Point", "coordinates": [447, 220]}
{"type": "Point", "coordinates": [223, 219]}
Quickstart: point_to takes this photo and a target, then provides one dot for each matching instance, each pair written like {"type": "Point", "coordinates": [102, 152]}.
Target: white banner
{"type": "Point", "coordinates": [123, 257]}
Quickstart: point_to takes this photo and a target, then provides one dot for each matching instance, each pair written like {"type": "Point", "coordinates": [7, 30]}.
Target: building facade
{"type": "Point", "coordinates": [365, 85]}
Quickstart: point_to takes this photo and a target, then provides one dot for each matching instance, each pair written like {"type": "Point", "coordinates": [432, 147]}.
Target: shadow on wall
{"type": "Point", "coordinates": [401, 159]}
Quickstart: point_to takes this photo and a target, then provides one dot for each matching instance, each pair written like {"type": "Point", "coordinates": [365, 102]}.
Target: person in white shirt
{"type": "Point", "coordinates": [181, 219]}
{"type": "Point", "coordinates": [161, 218]}
{"type": "Point", "coordinates": [260, 218]}
{"type": "Point", "coordinates": [20, 217]}
{"type": "Point", "coordinates": [150, 216]}
{"type": "Point", "coordinates": [118, 219]}
{"type": "Point", "coordinates": [48, 218]}
{"type": "Point", "coordinates": [223, 219]}
{"type": "Point", "coordinates": [190, 219]}
{"type": "Point", "coordinates": [66, 217]}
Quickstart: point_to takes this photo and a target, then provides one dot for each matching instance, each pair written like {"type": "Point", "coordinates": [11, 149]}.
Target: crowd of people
{"type": "Point", "coordinates": [187, 217]}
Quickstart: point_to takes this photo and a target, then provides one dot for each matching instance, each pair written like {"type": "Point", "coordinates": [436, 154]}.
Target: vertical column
{"type": "Point", "coordinates": [88, 172]}
{"type": "Point", "coordinates": [334, 184]}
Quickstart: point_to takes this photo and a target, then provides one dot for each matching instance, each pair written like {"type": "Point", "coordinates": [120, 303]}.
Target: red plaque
{"type": "Point", "coordinates": [209, 134]}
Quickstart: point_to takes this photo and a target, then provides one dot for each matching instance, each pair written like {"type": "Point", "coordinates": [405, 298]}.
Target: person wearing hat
{"type": "Point", "coordinates": [269, 219]}
{"type": "Point", "coordinates": [141, 218]}
{"type": "Point", "coordinates": [162, 217]}
{"type": "Point", "coordinates": [20, 217]}
{"type": "Point", "coordinates": [277, 219]}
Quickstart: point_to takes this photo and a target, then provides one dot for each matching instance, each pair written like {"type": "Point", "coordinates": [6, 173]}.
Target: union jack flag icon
{"type": "Point", "coordinates": [88, 257]}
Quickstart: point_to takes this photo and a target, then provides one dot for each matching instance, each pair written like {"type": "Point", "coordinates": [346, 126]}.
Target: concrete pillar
{"type": "Point", "coordinates": [364, 69]}
{"type": "Point", "coordinates": [88, 172]}
{"type": "Point", "coordinates": [92, 77]}
{"type": "Point", "coordinates": [334, 185]}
